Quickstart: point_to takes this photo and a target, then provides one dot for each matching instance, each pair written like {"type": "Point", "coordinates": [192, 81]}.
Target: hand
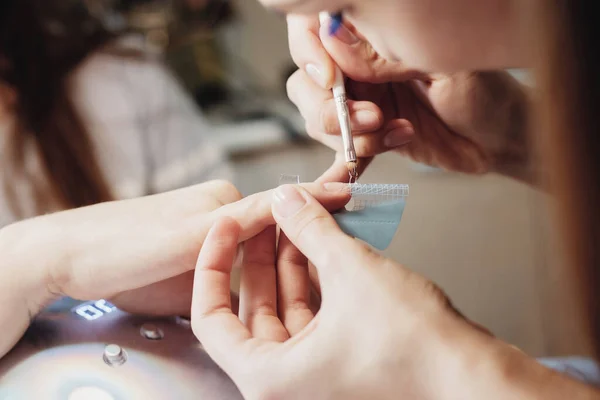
{"type": "Point", "coordinates": [382, 331]}
{"type": "Point", "coordinates": [466, 122]}
{"type": "Point", "coordinates": [138, 253]}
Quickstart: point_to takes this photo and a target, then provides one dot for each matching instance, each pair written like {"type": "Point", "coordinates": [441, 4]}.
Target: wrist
{"type": "Point", "coordinates": [479, 366]}
{"type": "Point", "coordinates": [31, 251]}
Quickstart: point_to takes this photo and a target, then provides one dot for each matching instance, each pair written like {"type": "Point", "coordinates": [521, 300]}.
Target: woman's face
{"type": "Point", "coordinates": [431, 35]}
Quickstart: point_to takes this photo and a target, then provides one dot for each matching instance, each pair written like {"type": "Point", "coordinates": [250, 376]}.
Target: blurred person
{"type": "Point", "coordinates": [89, 116]}
{"type": "Point", "coordinates": [382, 330]}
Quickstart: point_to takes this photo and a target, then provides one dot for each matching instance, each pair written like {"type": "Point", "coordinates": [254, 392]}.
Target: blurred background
{"type": "Point", "coordinates": [487, 241]}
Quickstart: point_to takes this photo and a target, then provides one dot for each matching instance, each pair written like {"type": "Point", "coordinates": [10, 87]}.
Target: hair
{"type": "Point", "coordinates": [569, 136]}
{"type": "Point", "coordinates": [41, 43]}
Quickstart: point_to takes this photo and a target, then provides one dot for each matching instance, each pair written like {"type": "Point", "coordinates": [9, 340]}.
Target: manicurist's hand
{"type": "Point", "coordinates": [471, 122]}
{"type": "Point", "coordinates": [382, 332]}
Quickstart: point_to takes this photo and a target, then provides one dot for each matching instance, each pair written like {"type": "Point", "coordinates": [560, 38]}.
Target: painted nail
{"type": "Point", "coordinates": [315, 73]}
{"type": "Point", "coordinates": [335, 23]}
{"type": "Point", "coordinates": [287, 201]}
{"type": "Point", "coordinates": [399, 137]}
{"type": "Point", "coordinates": [344, 35]}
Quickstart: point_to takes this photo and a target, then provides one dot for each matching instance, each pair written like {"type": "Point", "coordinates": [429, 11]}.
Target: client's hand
{"type": "Point", "coordinates": [382, 331]}
{"type": "Point", "coordinates": [138, 253]}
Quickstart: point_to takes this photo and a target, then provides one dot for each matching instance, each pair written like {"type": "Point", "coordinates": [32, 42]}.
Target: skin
{"type": "Point", "coordinates": [279, 349]}
{"type": "Point", "coordinates": [138, 253]}
{"type": "Point", "coordinates": [424, 339]}
{"type": "Point", "coordinates": [474, 122]}
{"type": "Point", "coordinates": [428, 35]}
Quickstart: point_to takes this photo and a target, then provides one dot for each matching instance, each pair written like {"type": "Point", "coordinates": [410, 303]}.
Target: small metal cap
{"type": "Point", "coordinates": [114, 355]}
{"type": "Point", "coordinates": [152, 332]}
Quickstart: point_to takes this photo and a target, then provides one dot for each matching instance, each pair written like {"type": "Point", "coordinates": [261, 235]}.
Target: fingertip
{"type": "Point", "coordinates": [220, 243]}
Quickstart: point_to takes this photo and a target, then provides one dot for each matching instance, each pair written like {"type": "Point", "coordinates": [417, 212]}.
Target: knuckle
{"type": "Point", "coordinates": [263, 308]}
{"type": "Point", "coordinates": [295, 304]}
{"type": "Point", "coordinates": [261, 250]}
{"type": "Point", "coordinates": [371, 63]}
{"type": "Point", "coordinates": [310, 225]}
{"type": "Point", "coordinates": [246, 206]}
{"type": "Point", "coordinates": [436, 294]}
{"type": "Point", "coordinates": [226, 192]}
{"type": "Point", "coordinates": [312, 132]}
{"type": "Point", "coordinates": [291, 257]}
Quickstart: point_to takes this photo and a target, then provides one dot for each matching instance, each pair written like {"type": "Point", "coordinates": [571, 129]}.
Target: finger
{"type": "Point", "coordinates": [258, 288]}
{"type": "Point", "coordinates": [294, 286]}
{"type": "Point", "coordinates": [317, 107]}
{"type": "Point", "coordinates": [309, 227]}
{"type": "Point", "coordinates": [359, 61]}
{"type": "Point", "coordinates": [225, 192]}
{"type": "Point", "coordinates": [338, 172]}
{"type": "Point", "coordinates": [307, 50]}
{"type": "Point", "coordinates": [397, 133]}
{"type": "Point", "coordinates": [213, 321]}
{"type": "Point", "coordinates": [253, 213]}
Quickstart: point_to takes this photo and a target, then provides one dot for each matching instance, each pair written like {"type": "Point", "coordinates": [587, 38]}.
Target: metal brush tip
{"type": "Point", "coordinates": [352, 170]}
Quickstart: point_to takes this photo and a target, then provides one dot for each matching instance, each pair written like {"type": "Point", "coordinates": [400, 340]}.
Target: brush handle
{"type": "Point", "coordinates": [341, 104]}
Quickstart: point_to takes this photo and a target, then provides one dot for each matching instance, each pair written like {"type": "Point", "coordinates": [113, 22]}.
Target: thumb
{"type": "Point", "coordinates": [312, 229]}
{"type": "Point", "coordinates": [357, 58]}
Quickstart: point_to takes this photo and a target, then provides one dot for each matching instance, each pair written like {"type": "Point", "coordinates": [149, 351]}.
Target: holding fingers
{"type": "Point", "coordinates": [467, 122]}
{"type": "Point", "coordinates": [374, 313]}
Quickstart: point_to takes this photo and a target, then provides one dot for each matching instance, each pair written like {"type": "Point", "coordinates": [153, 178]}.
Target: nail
{"type": "Point", "coordinates": [287, 201]}
{"type": "Point", "coordinates": [315, 73]}
{"type": "Point", "coordinates": [336, 187]}
{"type": "Point", "coordinates": [365, 119]}
{"type": "Point", "coordinates": [344, 35]}
{"type": "Point", "coordinates": [399, 137]}
{"type": "Point", "coordinates": [335, 23]}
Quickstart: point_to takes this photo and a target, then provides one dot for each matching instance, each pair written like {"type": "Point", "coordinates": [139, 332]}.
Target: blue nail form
{"type": "Point", "coordinates": [374, 213]}
{"type": "Point", "coordinates": [336, 23]}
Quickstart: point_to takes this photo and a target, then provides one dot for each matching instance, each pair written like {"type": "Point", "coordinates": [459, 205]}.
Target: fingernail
{"type": "Point", "coordinates": [344, 35]}
{"type": "Point", "coordinates": [399, 137]}
{"type": "Point", "coordinates": [287, 201]}
{"type": "Point", "coordinates": [315, 73]}
{"type": "Point", "coordinates": [335, 22]}
{"type": "Point", "coordinates": [366, 119]}
{"type": "Point", "coordinates": [336, 187]}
